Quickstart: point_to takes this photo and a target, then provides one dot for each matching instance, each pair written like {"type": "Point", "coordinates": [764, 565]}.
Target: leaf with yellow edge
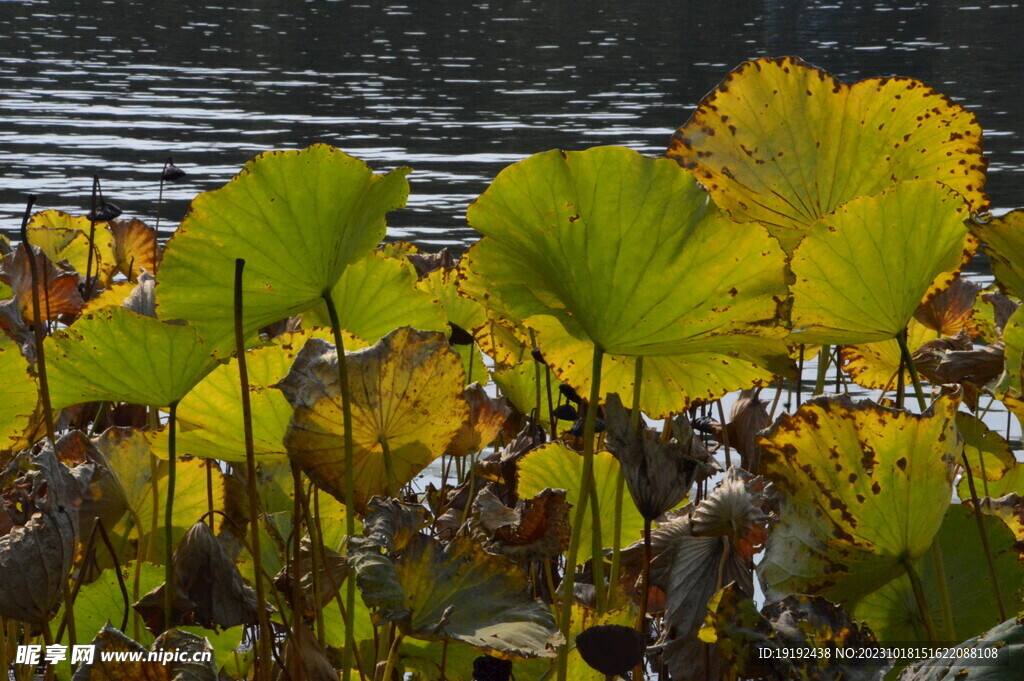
{"type": "Point", "coordinates": [556, 466]}
{"type": "Point", "coordinates": [784, 143]}
{"type": "Point", "coordinates": [561, 254]}
{"type": "Point", "coordinates": [118, 356]}
{"type": "Point", "coordinates": [464, 312]}
{"type": "Point", "coordinates": [988, 453]}
{"type": "Point", "coordinates": [483, 423]}
{"type": "Point", "coordinates": [59, 295]}
{"type": "Point", "coordinates": [519, 385]}
{"type": "Point", "coordinates": [375, 295]}
{"type": "Point", "coordinates": [19, 394]}
{"type": "Point", "coordinates": [65, 237]}
{"type": "Point", "coordinates": [875, 365]}
{"type": "Point", "coordinates": [862, 271]}
{"type": "Point", "coordinates": [1004, 243]}
{"type": "Point", "coordinates": [135, 248]}
{"type": "Point", "coordinates": [114, 295]}
{"type": "Point", "coordinates": [864, 490]}
{"type": "Point", "coordinates": [407, 405]}
{"type": "Point", "coordinates": [952, 310]}
{"type": "Point", "coordinates": [210, 416]}
{"type": "Point", "coordinates": [297, 218]}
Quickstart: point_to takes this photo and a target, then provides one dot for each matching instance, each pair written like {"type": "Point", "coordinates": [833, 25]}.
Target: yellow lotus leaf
{"type": "Point", "coordinates": [864, 491]}
{"type": "Point", "coordinates": [556, 466]}
{"type": "Point", "coordinates": [784, 143]}
{"type": "Point", "coordinates": [135, 248]}
{"type": "Point", "coordinates": [875, 365]}
{"type": "Point", "coordinates": [19, 394]}
{"type": "Point", "coordinates": [1004, 243]}
{"type": "Point", "coordinates": [518, 384]}
{"type": "Point", "coordinates": [66, 237]}
{"type": "Point", "coordinates": [989, 455]}
{"type": "Point", "coordinates": [407, 405]}
{"type": "Point", "coordinates": [484, 422]}
{"type": "Point", "coordinates": [862, 271]}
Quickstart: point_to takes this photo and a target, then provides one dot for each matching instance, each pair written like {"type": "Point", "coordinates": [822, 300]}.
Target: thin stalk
{"type": "Point", "coordinates": [92, 238]}
{"type": "Point", "coordinates": [172, 460]}
{"type": "Point", "coordinates": [725, 434]}
{"type": "Point", "coordinates": [209, 489]}
{"type": "Point", "coordinates": [901, 338]}
{"type": "Point", "coordinates": [298, 606]}
{"type": "Point", "coordinates": [823, 361]}
{"type": "Point", "coordinates": [984, 538]}
{"type": "Point", "coordinates": [551, 407]}
{"type": "Point", "coordinates": [919, 597]}
{"type": "Point", "coordinates": [37, 325]}
{"type": "Point", "coordinates": [949, 628]}
{"type": "Point", "coordinates": [389, 666]}
{"type": "Point", "coordinates": [264, 642]}
{"type": "Point", "coordinates": [318, 557]}
{"type": "Point", "coordinates": [620, 485]}
{"type": "Point", "coordinates": [49, 674]}
{"type": "Point", "coordinates": [901, 381]}
{"type": "Point", "coordinates": [536, 374]}
{"type": "Point", "coordinates": [350, 494]}
{"type": "Point", "coordinates": [800, 377]}
{"type": "Point", "coordinates": [586, 482]}
{"type": "Point", "coordinates": [641, 618]}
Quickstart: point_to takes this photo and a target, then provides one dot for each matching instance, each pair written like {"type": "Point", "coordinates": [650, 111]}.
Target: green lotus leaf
{"type": "Point", "coordinates": [875, 365]}
{"type": "Point", "coordinates": [101, 601]}
{"type": "Point", "coordinates": [864, 489]}
{"type": "Point", "coordinates": [210, 416]}
{"type": "Point", "coordinates": [556, 466]}
{"type": "Point", "coordinates": [1004, 242]}
{"type": "Point", "coordinates": [19, 401]}
{"type": "Point", "coordinates": [862, 271]}
{"type": "Point", "coordinates": [785, 143]}
{"type": "Point", "coordinates": [375, 295]}
{"type": "Point", "coordinates": [64, 237]}
{"type": "Point", "coordinates": [462, 593]}
{"type": "Point", "coordinates": [1012, 482]}
{"type": "Point", "coordinates": [464, 312]}
{"type": "Point", "coordinates": [519, 385]}
{"type": "Point", "coordinates": [892, 611]}
{"type": "Point", "coordinates": [407, 405]}
{"type": "Point", "coordinates": [989, 455]}
{"type": "Point", "coordinates": [562, 252]}
{"type": "Point", "coordinates": [1001, 648]}
{"type": "Point", "coordinates": [1013, 338]}
{"type": "Point", "coordinates": [119, 356]}
{"type": "Point", "coordinates": [298, 218]}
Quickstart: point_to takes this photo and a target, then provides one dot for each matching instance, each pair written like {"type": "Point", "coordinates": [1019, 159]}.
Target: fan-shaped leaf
{"type": "Point", "coordinates": [1004, 242]}
{"type": "Point", "coordinates": [19, 401]}
{"type": "Point", "coordinates": [784, 143]}
{"type": "Point", "coordinates": [864, 491]}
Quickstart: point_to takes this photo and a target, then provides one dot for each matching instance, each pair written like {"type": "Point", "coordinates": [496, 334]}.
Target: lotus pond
{"type": "Point", "coordinates": [213, 444]}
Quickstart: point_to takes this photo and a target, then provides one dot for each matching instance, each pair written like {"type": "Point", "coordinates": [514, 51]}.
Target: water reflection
{"type": "Point", "coordinates": [455, 90]}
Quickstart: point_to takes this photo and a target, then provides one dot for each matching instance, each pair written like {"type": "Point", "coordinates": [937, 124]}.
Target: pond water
{"type": "Point", "coordinates": [456, 90]}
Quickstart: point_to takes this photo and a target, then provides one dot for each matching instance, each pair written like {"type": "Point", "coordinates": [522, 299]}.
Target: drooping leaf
{"type": "Point", "coordinates": [557, 467]}
{"type": "Point", "coordinates": [952, 310]}
{"type": "Point", "coordinates": [111, 643]}
{"type": "Point", "coordinates": [119, 356]}
{"type": "Point", "coordinates": [208, 588]}
{"type": "Point", "coordinates": [36, 554]}
{"type": "Point", "coordinates": [457, 592]}
{"type": "Point", "coordinates": [536, 528]}
{"type": "Point", "coordinates": [1004, 242]}
{"type": "Point", "coordinates": [560, 254]}
{"type": "Point", "coordinates": [375, 295]}
{"type": "Point", "coordinates": [861, 271]}
{"type": "Point", "coordinates": [742, 636]}
{"type": "Point", "coordinates": [298, 218]}
{"type": "Point", "coordinates": [785, 143]}
{"type": "Point", "coordinates": [658, 474]}
{"type": "Point", "coordinates": [19, 401]}
{"type": "Point", "coordinates": [406, 393]}
{"type": "Point", "coordinates": [892, 612]}
{"type": "Point", "coordinates": [57, 285]}
{"type": "Point", "coordinates": [483, 423]}
{"type": "Point", "coordinates": [1001, 648]}
{"type": "Point", "coordinates": [864, 490]}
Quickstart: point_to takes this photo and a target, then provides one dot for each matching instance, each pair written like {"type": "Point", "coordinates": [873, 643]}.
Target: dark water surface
{"type": "Point", "coordinates": [453, 89]}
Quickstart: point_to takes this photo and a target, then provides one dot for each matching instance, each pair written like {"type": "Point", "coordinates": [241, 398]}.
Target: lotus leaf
{"type": "Point", "coordinates": [1004, 242]}
{"type": "Point", "coordinates": [892, 611]}
{"type": "Point", "coordinates": [864, 490]}
{"type": "Point", "coordinates": [483, 423]}
{"type": "Point", "coordinates": [861, 271]}
{"type": "Point", "coordinates": [1006, 644]}
{"type": "Point", "coordinates": [407, 405]}
{"type": "Point", "coordinates": [135, 248]}
{"type": "Point", "coordinates": [536, 529]}
{"type": "Point", "coordinates": [988, 453]}
{"type": "Point", "coordinates": [379, 294]}
{"type": "Point", "coordinates": [297, 218]}
{"type": "Point", "coordinates": [463, 593]}
{"type": "Point", "coordinates": [875, 365]}
{"type": "Point", "coordinates": [64, 237]}
{"type": "Point", "coordinates": [120, 356]}
{"type": "Point", "coordinates": [19, 402]}
{"type": "Point", "coordinates": [784, 143]}
{"type": "Point", "coordinates": [518, 384]}
{"type": "Point", "coordinates": [561, 253]}
{"type": "Point", "coordinates": [110, 642]}
{"type": "Point", "coordinates": [102, 601]}
{"type": "Point", "coordinates": [558, 467]}
{"type": "Point", "coordinates": [57, 297]}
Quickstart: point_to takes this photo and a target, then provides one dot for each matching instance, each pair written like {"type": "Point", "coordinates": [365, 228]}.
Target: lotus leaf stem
{"type": "Point", "coordinates": [940, 578]}
{"type": "Point", "coordinates": [586, 484]}
{"type": "Point", "coordinates": [172, 465]}
{"type": "Point", "coordinates": [983, 533]}
{"type": "Point", "coordinates": [620, 485]}
{"type": "Point", "coordinates": [919, 597]}
{"type": "Point", "coordinates": [350, 490]}
{"type": "Point", "coordinates": [824, 355]}
{"type": "Point", "coordinates": [725, 434]}
{"type": "Point", "coordinates": [37, 326]}
{"type": "Point", "coordinates": [266, 633]}
{"type": "Point", "coordinates": [908, 359]}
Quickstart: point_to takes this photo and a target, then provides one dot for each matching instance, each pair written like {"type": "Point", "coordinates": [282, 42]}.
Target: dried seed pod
{"type": "Point", "coordinates": [611, 649]}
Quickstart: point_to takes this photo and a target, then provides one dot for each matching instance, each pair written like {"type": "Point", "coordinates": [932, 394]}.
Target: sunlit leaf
{"type": "Point", "coordinates": [298, 218]}
{"type": "Point", "coordinates": [892, 611]}
{"type": "Point", "coordinates": [864, 492]}
{"type": "Point", "coordinates": [19, 394]}
{"type": "Point", "coordinates": [406, 393]}
{"type": "Point", "coordinates": [558, 467]}
{"type": "Point", "coordinates": [861, 272]}
{"type": "Point", "coordinates": [102, 601]}
{"type": "Point", "coordinates": [1004, 242]}
{"type": "Point", "coordinates": [560, 253]}
{"type": "Point", "coordinates": [57, 285]}
{"type": "Point", "coordinates": [876, 365]}
{"type": "Point", "coordinates": [988, 453]}
{"type": "Point", "coordinates": [119, 356]}
{"type": "Point", "coordinates": [536, 528]}
{"type": "Point", "coordinates": [785, 143]}
{"type": "Point", "coordinates": [135, 248]}
{"type": "Point", "coordinates": [65, 237]}
{"type": "Point", "coordinates": [483, 423]}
